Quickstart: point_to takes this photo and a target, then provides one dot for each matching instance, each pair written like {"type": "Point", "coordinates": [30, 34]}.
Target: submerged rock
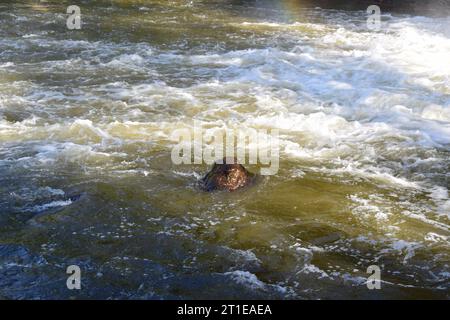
{"type": "Point", "coordinates": [224, 176]}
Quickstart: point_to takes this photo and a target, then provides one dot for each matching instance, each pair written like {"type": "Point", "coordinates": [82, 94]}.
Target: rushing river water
{"type": "Point", "coordinates": [86, 176]}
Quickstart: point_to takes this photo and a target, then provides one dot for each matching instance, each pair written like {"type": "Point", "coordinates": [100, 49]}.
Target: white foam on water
{"type": "Point", "coordinates": [7, 64]}
{"type": "Point", "coordinates": [405, 247]}
{"type": "Point", "coordinates": [366, 208]}
{"type": "Point", "coordinates": [246, 278]}
{"type": "Point", "coordinates": [250, 280]}
{"type": "Point", "coordinates": [242, 257]}
{"type": "Point", "coordinates": [430, 221]}
{"type": "Point", "coordinates": [69, 153]}
{"type": "Point", "coordinates": [132, 61]}
{"type": "Point", "coordinates": [436, 112]}
{"type": "Point", "coordinates": [194, 174]}
{"type": "Point", "coordinates": [55, 192]}
{"type": "Point", "coordinates": [434, 237]}
{"type": "Point", "coordinates": [440, 196]}
{"type": "Point", "coordinates": [50, 205]}
{"type": "Point", "coordinates": [310, 268]}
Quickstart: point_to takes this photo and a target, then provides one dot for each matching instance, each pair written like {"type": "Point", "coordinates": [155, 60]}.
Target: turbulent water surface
{"type": "Point", "coordinates": [86, 176]}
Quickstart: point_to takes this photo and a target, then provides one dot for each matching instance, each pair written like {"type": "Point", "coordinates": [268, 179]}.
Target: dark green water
{"type": "Point", "coordinates": [86, 176]}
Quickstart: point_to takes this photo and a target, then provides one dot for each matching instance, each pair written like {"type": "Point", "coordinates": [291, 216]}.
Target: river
{"type": "Point", "coordinates": [86, 176]}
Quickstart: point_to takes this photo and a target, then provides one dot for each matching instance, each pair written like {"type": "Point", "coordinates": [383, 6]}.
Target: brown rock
{"type": "Point", "coordinates": [228, 177]}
